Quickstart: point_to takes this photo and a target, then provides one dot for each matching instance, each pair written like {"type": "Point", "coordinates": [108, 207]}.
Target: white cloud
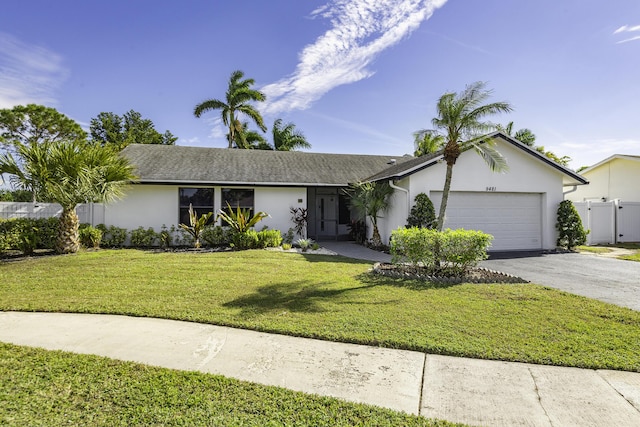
{"type": "Point", "coordinates": [628, 29]}
{"type": "Point", "coordinates": [28, 73]}
{"type": "Point", "coordinates": [360, 31]}
{"type": "Point", "coordinates": [590, 152]}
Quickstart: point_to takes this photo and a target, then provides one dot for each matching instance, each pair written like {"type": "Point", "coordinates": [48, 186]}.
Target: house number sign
{"type": "Point", "coordinates": [491, 188]}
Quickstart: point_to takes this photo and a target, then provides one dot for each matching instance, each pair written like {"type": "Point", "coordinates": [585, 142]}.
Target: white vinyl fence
{"type": "Point", "coordinates": [88, 213]}
{"type": "Point", "coordinates": [610, 222]}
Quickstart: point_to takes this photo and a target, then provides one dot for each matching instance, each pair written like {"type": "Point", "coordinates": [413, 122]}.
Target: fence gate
{"type": "Point", "coordinates": [600, 219]}
{"type": "Point", "coordinates": [628, 221]}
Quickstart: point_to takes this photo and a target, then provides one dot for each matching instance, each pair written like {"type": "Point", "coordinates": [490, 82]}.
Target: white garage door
{"type": "Point", "coordinates": [514, 219]}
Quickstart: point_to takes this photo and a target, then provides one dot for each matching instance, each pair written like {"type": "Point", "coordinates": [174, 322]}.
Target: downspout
{"type": "Point", "coordinates": [564, 193]}
{"type": "Point", "coordinates": [405, 191]}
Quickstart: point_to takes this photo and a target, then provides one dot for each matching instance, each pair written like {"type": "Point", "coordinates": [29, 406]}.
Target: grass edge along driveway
{"type": "Point", "coordinates": [331, 298]}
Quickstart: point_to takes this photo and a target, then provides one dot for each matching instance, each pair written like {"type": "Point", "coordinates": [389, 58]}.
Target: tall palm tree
{"type": "Point", "coordinates": [426, 143]}
{"type": "Point", "coordinates": [287, 138]}
{"type": "Point", "coordinates": [237, 100]}
{"type": "Point", "coordinates": [251, 139]}
{"type": "Point", "coordinates": [69, 173]}
{"type": "Point", "coordinates": [460, 121]}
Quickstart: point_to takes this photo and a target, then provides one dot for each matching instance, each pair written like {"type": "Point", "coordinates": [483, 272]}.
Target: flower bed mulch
{"type": "Point", "coordinates": [473, 275]}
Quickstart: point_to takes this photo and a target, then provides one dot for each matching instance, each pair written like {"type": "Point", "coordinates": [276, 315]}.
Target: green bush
{"type": "Point", "coordinates": [288, 237]}
{"type": "Point", "coordinates": [90, 237]}
{"type": "Point", "coordinates": [269, 238]}
{"type": "Point", "coordinates": [422, 213]}
{"type": "Point", "coordinates": [28, 234]}
{"type": "Point", "coordinates": [16, 196]}
{"type": "Point", "coordinates": [571, 233]}
{"type": "Point", "coordinates": [112, 236]}
{"type": "Point", "coordinates": [143, 238]}
{"type": "Point", "coordinates": [450, 252]}
{"type": "Point", "coordinates": [245, 240]}
{"type": "Point", "coordinates": [166, 236]}
{"type": "Point", "coordinates": [217, 236]}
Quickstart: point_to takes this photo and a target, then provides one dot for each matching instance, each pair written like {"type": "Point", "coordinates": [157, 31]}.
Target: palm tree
{"type": "Point", "coordinates": [370, 199]}
{"type": "Point", "coordinates": [250, 139]}
{"type": "Point", "coordinates": [237, 100]}
{"type": "Point", "coordinates": [69, 173]}
{"type": "Point", "coordinates": [523, 135]}
{"type": "Point", "coordinates": [459, 120]}
{"type": "Point", "coordinates": [287, 138]}
{"type": "Point", "coordinates": [426, 143]}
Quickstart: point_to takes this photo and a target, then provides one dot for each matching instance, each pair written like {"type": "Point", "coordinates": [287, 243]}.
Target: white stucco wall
{"type": "Point", "coordinates": [526, 174]}
{"type": "Point", "coordinates": [616, 179]}
{"type": "Point", "coordinates": [155, 205]}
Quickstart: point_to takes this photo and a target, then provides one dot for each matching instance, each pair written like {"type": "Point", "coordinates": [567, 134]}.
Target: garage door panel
{"type": "Point", "coordinates": [514, 219]}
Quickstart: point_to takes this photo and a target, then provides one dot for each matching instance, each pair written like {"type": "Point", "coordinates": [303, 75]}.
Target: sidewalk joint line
{"type": "Point", "coordinates": [422, 381]}
{"type": "Point", "coordinates": [537, 390]}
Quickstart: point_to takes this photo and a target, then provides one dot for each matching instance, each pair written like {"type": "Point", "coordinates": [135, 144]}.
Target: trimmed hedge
{"type": "Point", "coordinates": [448, 252]}
{"type": "Point", "coordinates": [28, 234]}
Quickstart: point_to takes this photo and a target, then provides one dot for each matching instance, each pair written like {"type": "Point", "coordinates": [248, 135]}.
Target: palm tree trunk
{"type": "Point", "coordinates": [445, 196]}
{"type": "Point", "coordinates": [375, 237]}
{"type": "Point", "coordinates": [67, 240]}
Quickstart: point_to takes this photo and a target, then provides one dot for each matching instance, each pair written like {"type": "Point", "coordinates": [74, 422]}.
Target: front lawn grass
{"type": "Point", "coordinates": [632, 257]}
{"type": "Point", "coordinates": [594, 249]}
{"type": "Point", "coordinates": [55, 388]}
{"type": "Point", "coordinates": [331, 298]}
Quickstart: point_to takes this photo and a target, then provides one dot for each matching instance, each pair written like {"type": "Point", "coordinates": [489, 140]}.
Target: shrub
{"type": "Point", "coordinates": [288, 237]}
{"type": "Point", "coordinates": [47, 231]}
{"type": "Point", "coordinates": [217, 236]}
{"type": "Point", "coordinates": [304, 244]}
{"type": "Point", "coordinates": [571, 233]}
{"type": "Point", "coordinates": [269, 238]}
{"type": "Point", "coordinates": [241, 220]}
{"type": "Point", "coordinates": [90, 237]}
{"type": "Point", "coordinates": [165, 237]}
{"type": "Point", "coordinates": [422, 214]}
{"type": "Point", "coordinates": [196, 225]}
{"type": "Point", "coordinates": [143, 238]}
{"type": "Point", "coordinates": [28, 234]}
{"type": "Point", "coordinates": [358, 231]}
{"type": "Point", "coordinates": [286, 246]}
{"type": "Point", "coordinates": [450, 252]}
{"type": "Point", "coordinates": [245, 240]}
{"type": "Point", "coordinates": [112, 236]}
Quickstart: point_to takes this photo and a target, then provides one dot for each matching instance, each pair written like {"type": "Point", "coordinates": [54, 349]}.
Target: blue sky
{"type": "Point", "coordinates": [356, 76]}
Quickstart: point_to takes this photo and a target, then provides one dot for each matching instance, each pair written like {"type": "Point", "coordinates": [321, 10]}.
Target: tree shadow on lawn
{"type": "Point", "coordinates": [295, 296]}
{"type": "Point", "coordinates": [371, 279]}
{"type": "Point", "coordinates": [334, 258]}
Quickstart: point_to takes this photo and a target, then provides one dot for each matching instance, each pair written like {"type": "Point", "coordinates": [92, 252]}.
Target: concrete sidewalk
{"type": "Point", "coordinates": [476, 392]}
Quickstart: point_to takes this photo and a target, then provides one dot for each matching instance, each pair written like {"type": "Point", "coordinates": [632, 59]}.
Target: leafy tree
{"type": "Point", "coordinates": [287, 138]}
{"type": "Point", "coordinates": [69, 173]}
{"type": "Point", "coordinates": [131, 128]}
{"type": "Point", "coordinates": [571, 233]}
{"type": "Point", "coordinates": [15, 196]}
{"type": "Point", "coordinates": [426, 143]}
{"type": "Point", "coordinates": [460, 122]}
{"type": "Point", "coordinates": [422, 214]}
{"type": "Point", "coordinates": [238, 100]}
{"type": "Point", "coordinates": [564, 160]}
{"type": "Point", "coordinates": [370, 199]}
{"type": "Point", "coordinates": [34, 124]}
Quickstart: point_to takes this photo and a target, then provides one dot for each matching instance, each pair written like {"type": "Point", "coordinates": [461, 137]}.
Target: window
{"type": "Point", "coordinates": [344, 214]}
{"type": "Point", "coordinates": [237, 197]}
{"type": "Point", "coordinates": [200, 198]}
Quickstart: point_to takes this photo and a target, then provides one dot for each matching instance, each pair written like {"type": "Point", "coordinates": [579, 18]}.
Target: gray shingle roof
{"type": "Point", "coordinates": [166, 164]}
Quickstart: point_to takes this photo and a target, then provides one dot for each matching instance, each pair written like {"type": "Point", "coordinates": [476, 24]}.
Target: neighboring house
{"type": "Point", "coordinates": [610, 205]}
{"type": "Point", "coordinates": [518, 207]}
{"type": "Point", "coordinates": [616, 177]}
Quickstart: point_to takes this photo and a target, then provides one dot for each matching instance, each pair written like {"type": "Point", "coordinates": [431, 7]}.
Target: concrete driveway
{"type": "Point", "coordinates": [606, 279]}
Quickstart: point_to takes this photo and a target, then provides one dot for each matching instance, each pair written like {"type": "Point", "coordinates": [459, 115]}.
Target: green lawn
{"type": "Point", "coordinates": [331, 298]}
{"type": "Point", "coordinates": [54, 388]}
{"type": "Point", "coordinates": [594, 249]}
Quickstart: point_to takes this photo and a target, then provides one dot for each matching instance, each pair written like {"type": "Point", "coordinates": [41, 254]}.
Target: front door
{"type": "Point", "coordinates": [326, 217]}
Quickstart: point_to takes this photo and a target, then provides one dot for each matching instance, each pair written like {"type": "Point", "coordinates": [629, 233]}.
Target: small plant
{"type": "Point", "coordinates": [315, 246]}
{"type": "Point", "coordinates": [571, 233]}
{"type": "Point", "coordinates": [245, 240]}
{"type": "Point", "coordinates": [288, 237]}
{"type": "Point", "coordinates": [196, 225]}
{"type": "Point", "coordinates": [217, 236]}
{"type": "Point", "coordinates": [286, 246]}
{"type": "Point", "coordinates": [358, 231]}
{"type": "Point", "coordinates": [90, 237]}
{"type": "Point", "coordinates": [299, 216]}
{"type": "Point", "coordinates": [166, 236]}
{"type": "Point", "coordinates": [304, 244]}
{"type": "Point", "coordinates": [241, 220]}
{"type": "Point", "coordinates": [269, 238]}
{"type": "Point", "coordinates": [422, 214]}
{"type": "Point", "coordinates": [112, 236]}
{"type": "Point", "coordinates": [143, 238]}
{"type": "Point", "coordinates": [28, 241]}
